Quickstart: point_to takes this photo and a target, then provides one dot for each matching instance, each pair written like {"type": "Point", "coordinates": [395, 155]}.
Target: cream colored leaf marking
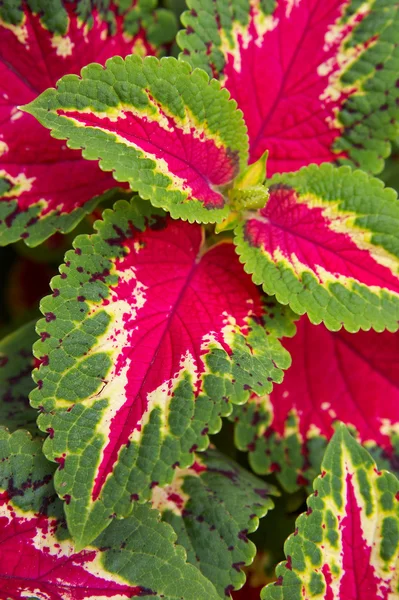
{"type": "Point", "coordinates": [290, 5]}
{"type": "Point", "coordinates": [371, 524]}
{"type": "Point", "coordinates": [15, 114]}
{"type": "Point", "coordinates": [158, 113]}
{"type": "Point", "coordinates": [162, 396]}
{"type": "Point", "coordinates": [389, 428]}
{"type": "Point", "coordinates": [291, 426]}
{"type": "Point", "coordinates": [228, 331]}
{"type": "Point", "coordinates": [65, 549]}
{"type": "Point", "coordinates": [20, 31]}
{"type": "Point", "coordinates": [176, 182]}
{"type": "Point", "coordinates": [17, 511]}
{"type": "Point", "coordinates": [240, 37]}
{"type": "Point", "coordinates": [344, 222]}
{"type": "Point", "coordinates": [371, 530]}
{"type": "Point", "coordinates": [332, 555]}
{"type": "Point", "coordinates": [197, 129]}
{"type": "Point", "coordinates": [313, 431]}
{"type": "Point", "coordinates": [115, 384]}
{"type": "Point", "coordinates": [342, 61]}
{"type": "Point", "coordinates": [20, 184]}
{"type": "Point", "coordinates": [160, 499]}
{"type": "Point", "coordinates": [84, 26]}
{"type": "Point", "coordinates": [63, 45]}
{"type": "Point", "coordinates": [161, 496]}
{"type": "Point", "coordinates": [325, 277]}
{"type": "Point", "coordinates": [138, 47]}
{"type": "Point", "coordinates": [3, 148]}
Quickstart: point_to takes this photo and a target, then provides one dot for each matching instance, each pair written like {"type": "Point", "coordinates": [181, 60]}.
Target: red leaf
{"type": "Point", "coordinates": [282, 82]}
{"type": "Point", "coordinates": [359, 578]}
{"type": "Point", "coordinates": [353, 378]}
{"type": "Point", "coordinates": [315, 79]}
{"type": "Point", "coordinates": [345, 545]}
{"type": "Point", "coordinates": [41, 170]}
{"type": "Point", "coordinates": [38, 560]}
{"type": "Point", "coordinates": [308, 237]}
{"type": "Point", "coordinates": [178, 330]}
{"type": "Point", "coordinates": [49, 570]}
{"type": "Point", "coordinates": [324, 245]}
{"type": "Point", "coordinates": [335, 376]}
{"type": "Point", "coordinates": [176, 303]}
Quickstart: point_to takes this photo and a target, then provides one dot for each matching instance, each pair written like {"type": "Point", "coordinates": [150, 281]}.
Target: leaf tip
{"type": "Point", "coordinates": [28, 108]}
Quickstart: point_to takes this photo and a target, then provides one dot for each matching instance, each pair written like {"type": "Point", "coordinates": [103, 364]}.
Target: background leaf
{"type": "Point", "coordinates": [213, 505]}
{"type": "Point", "coordinates": [45, 186]}
{"type": "Point", "coordinates": [346, 544]}
{"type": "Point", "coordinates": [136, 557]}
{"type": "Point", "coordinates": [316, 81]}
{"type": "Point", "coordinates": [334, 376]}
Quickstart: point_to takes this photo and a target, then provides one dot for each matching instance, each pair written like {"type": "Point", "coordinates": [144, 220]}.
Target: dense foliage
{"type": "Point", "coordinates": [216, 367]}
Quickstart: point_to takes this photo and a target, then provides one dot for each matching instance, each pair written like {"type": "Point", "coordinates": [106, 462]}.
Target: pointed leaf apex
{"type": "Point", "coordinates": [254, 174]}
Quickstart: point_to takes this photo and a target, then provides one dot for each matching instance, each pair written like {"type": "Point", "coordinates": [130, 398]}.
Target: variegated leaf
{"type": "Point", "coordinates": [327, 243]}
{"type": "Point", "coordinates": [347, 543]}
{"type": "Point", "coordinates": [212, 506]}
{"type": "Point", "coordinates": [134, 557]}
{"type": "Point", "coordinates": [174, 136]}
{"type": "Point", "coordinates": [317, 80]}
{"type": "Point", "coordinates": [45, 186]}
{"type": "Point", "coordinates": [16, 364]}
{"type": "Point", "coordinates": [334, 375]}
{"type": "Point", "coordinates": [147, 338]}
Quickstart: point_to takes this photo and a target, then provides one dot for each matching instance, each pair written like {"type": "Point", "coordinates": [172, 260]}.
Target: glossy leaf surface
{"type": "Point", "coordinates": [213, 505]}
{"type": "Point", "coordinates": [346, 544]}
{"type": "Point", "coordinates": [327, 243]}
{"type": "Point", "coordinates": [16, 364]}
{"type": "Point", "coordinates": [136, 557]}
{"type": "Point", "coordinates": [45, 186]}
{"type": "Point", "coordinates": [169, 132]}
{"type": "Point", "coordinates": [350, 377]}
{"type": "Point", "coordinates": [315, 79]}
{"type": "Point", "coordinates": [147, 338]}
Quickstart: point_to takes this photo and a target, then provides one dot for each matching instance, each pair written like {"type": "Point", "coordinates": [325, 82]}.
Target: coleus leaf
{"type": "Point", "coordinates": [212, 506]}
{"type": "Point", "coordinates": [45, 186]}
{"type": "Point", "coordinates": [172, 134]}
{"type": "Point", "coordinates": [134, 557]}
{"type": "Point", "coordinates": [334, 375]}
{"type": "Point", "coordinates": [327, 243]}
{"type": "Point", "coordinates": [16, 364]}
{"type": "Point", "coordinates": [146, 339]}
{"type": "Point", "coordinates": [317, 81]}
{"type": "Point", "coordinates": [346, 544]}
